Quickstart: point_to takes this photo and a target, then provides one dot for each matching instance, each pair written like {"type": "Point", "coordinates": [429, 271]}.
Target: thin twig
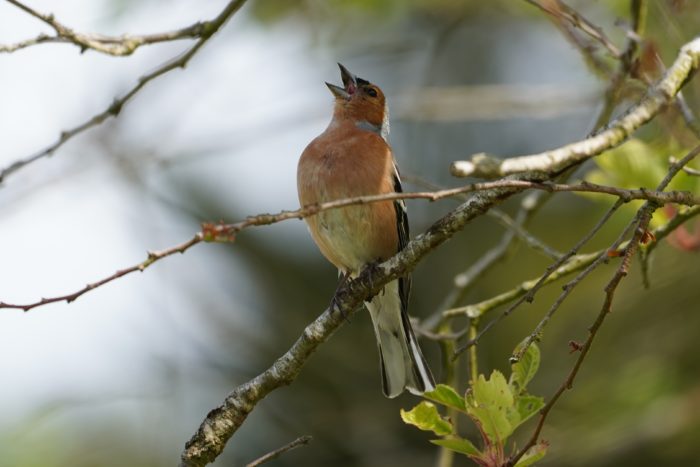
{"type": "Point", "coordinates": [40, 39]}
{"type": "Point", "coordinates": [209, 29]}
{"type": "Point", "coordinates": [577, 20]}
{"type": "Point", "coordinates": [638, 11]}
{"type": "Point", "coordinates": [532, 241]}
{"type": "Point", "coordinates": [227, 232]}
{"type": "Point", "coordinates": [301, 441]}
{"type": "Point", "coordinates": [476, 310]}
{"type": "Point", "coordinates": [153, 256]}
{"type": "Point", "coordinates": [556, 269]}
{"type": "Point", "coordinates": [687, 170]}
{"type": "Point", "coordinates": [574, 264]}
{"type": "Point", "coordinates": [504, 219]}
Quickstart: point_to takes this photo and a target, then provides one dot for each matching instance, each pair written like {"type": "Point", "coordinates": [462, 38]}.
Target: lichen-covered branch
{"type": "Point", "coordinates": [110, 45]}
{"type": "Point", "coordinates": [557, 160]}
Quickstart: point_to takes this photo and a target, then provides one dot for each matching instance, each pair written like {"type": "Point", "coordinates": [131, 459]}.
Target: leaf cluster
{"type": "Point", "coordinates": [496, 406]}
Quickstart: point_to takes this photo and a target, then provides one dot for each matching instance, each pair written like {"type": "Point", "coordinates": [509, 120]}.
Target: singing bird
{"type": "Point", "coordinates": [352, 157]}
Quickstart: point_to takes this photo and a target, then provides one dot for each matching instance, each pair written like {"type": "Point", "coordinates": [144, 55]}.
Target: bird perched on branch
{"type": "Point", "coordinates": [351, 158]}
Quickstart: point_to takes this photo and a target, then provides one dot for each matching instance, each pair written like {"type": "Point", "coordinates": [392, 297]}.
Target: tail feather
{"type": "Point", "coordinates": [402, 363]}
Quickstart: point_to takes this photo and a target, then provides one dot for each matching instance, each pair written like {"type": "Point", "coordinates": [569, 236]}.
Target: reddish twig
{"type": "Point", "coordinates": [227, 232]}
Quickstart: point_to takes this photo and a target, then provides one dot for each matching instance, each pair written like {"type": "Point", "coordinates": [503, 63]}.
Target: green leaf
{"type": "Point", "coordinates": [461, 445]}
{"type": "Point", "coordinates": [425, 416]}
{"type": "Point", "coordinates": [525, 369]}
{"type": "Point", "coordinates": [445, 395]}
{"type": "Point", "coordinates": [491, 403]}
{"type": "Point", "coordinates": [532, 455]}
{"type": "Point", "coordinates": [528, 406]}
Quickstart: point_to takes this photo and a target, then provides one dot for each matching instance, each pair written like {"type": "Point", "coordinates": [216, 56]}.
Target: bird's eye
{"type": "Point", "coordinates": [372, 92]}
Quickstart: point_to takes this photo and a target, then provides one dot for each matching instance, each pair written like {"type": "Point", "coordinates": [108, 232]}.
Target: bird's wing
{"type": "Point", "coordinates": [403, 233]}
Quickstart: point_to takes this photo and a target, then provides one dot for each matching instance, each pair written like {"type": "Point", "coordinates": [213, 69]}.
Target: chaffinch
{"type": "Point", "coordinates": [352, 157]}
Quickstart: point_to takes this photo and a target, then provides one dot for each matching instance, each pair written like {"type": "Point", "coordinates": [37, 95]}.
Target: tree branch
{"type": "Point", "coordinates": [227, 232]}
{"type": "Point", "coordinates": [221, 423]}
{"type": "Point", "coordinates": [110, 45]}
{"type": "Point", "coordinates": [556, 160]}
{"type": "Point", "coordinates": [209, 29]}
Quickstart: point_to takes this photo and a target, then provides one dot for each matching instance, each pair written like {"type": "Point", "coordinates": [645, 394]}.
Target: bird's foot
{"type": "Point", "coordinates": [372, 269]}
{"type": "Point", "coordinates": [335, 302]}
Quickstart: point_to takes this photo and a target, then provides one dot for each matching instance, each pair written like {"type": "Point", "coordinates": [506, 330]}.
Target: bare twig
{"type": "Point", "coordinates": [687, 170]}
{"type": "Point", "coordinates": [568, 21]}
{"type": "Point", "coordinates": [577, 20]}
{"type": "Point", "coordinates": [227, 232]}
{"type": "Point", "coordinates": [528, 206]}
{"type": "Point", "coordinates": [572, 265]}
{"type": "Point", "coordinates": [557, 160]}
{"type": "Point", "coordinates": [153, 256]}
{"type": "Point", "coordinates": [526, 291]}
{"type": "Point", "coordinates": [462, 283]}
{"type": "Point", "coordinates": [532, 241]}
{"type": "Point", "coordinates": [209, 29]}
{"type": "Point", "coordinates": [301, 441]}
{"type": "Point", "coordinates": [110, 45]}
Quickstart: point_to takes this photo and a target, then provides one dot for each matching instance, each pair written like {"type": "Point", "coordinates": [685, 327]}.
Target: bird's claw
{"type": "Point", "coordinates": [335, 302]}
{"type": "Point", "coordinates": [372, 269]}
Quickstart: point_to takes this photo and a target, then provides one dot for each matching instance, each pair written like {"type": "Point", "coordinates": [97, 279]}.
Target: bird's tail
{"type": "Point", "coordinates": [402, 363]}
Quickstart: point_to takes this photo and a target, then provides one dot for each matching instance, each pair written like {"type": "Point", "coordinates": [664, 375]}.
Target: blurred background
{"type": "Point", "coordinates": [124, 375]}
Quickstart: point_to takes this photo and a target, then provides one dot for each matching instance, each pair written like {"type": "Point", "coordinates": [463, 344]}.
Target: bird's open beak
{"type": "Point", "coordinates": [349, 84]}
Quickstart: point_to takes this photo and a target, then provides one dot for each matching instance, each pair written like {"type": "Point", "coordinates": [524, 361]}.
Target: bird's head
{"type": "Point", "coordinates": [360, 101]}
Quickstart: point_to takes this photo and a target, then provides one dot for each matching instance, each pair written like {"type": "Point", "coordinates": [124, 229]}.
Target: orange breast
{"type": "Point", "coordinates": [346, 162]}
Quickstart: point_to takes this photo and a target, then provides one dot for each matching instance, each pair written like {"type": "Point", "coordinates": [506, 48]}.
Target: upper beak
{"type": "Point", "coordinates": [349, 83]}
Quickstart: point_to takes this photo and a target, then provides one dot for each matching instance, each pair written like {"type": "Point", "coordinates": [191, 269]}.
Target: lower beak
{"type": "Point", "coordinates": [349, 84]}
{"type": "Point", "coordinates": [338, 91]}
